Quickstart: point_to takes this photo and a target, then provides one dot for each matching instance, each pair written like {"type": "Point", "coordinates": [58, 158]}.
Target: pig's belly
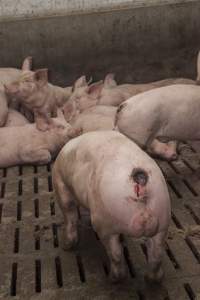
{"type": "Point", "coordinates": [182, 129]}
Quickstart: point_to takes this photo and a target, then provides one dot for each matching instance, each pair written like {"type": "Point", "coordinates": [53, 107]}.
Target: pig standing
{"type": "Point", "coordinates": [165, 113]}
{"type": "Point", "coordinates": [35, 93]}
{"type": "Point", "coordinates": [15, 118]}
{"type": "Point", "coordinates": [123, 189]}
{"type": "Point", "coordinates": [7, 75]}
{"type": "Point", "coordinates": [28, 145]}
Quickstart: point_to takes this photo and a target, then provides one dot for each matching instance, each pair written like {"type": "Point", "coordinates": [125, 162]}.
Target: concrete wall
{"type": "Point", "coordinates": [139, 42]}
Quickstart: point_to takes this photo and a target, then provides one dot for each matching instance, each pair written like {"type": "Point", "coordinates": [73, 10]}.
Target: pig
{"type": "Point", "coordinates": [98, 117]}
{"type": "Point", "coordinates": [124, 191]}
{"type": "Point", "coordinates": [28, 145]}
{"type": "Point", "coordinates": [15, 118]}
{"type": "Point", "coordinates": [36, 94]}
{"type": "Point", "coordinates": [113, 94]}
{"type": "Point", "coordinates": [6, 76]}
{"type": "Point", "coordinates": [109, 93]}
{"type": "Point", "coordinates": [167, 113]}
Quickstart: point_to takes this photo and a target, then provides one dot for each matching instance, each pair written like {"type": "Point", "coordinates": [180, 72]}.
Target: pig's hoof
{"type": "Point", "coordinates": [155, 277]}
{"type": "Point", "coordinates": [118, 276]}
{"type": "Point", "coordinates": [70, 244]}
{"type": "Point", "coordinates": [172, 157]}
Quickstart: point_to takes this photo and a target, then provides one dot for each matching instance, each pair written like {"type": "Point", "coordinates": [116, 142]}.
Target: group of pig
{"type": "Point", "coordinates": [104, 168]}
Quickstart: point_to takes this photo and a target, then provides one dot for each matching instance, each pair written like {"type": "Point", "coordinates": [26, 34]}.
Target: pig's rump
{"type": "Point", "coordinates": [171, 112]}
{"type": "Point", "coordinates": [98, 168]}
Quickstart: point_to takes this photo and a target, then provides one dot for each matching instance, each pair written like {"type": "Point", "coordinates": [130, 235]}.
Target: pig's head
{"type": "Point", "coordinates": [63, 131]}
{"type": "Point", "coordinates": [29, 88]}
{"type": "Point", "coordinates": [86, 95]}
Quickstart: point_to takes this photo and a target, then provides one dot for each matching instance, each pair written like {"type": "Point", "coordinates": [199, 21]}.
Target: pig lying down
{"type": "Point", "coordinates": [34, 91]}
{"type": "Point", "coordinates": [165, 113]}
{"type": "Point", "coordinates": [28, 145]}
{"type": "Point", "coordinates": [109, 93]}
{"type": "Point", "coordinates": [15, 118]}
{"type": "Point", "coordinates": [123, 189]}
{"type": "Point", "coordinates": [98, 117]}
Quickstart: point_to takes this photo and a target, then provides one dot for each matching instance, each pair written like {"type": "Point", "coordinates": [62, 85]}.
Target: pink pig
{"type": "Point", "coordinates": [162, 114]}
{"type": "Point", "coordinates": [15, 118]}
{"type": "Point", "coordinates": [28, 145]}
{"type": "Point", "coordinates": [124, 190]}
{"type": "Point", "coordinates": [7, 75]}
{"type": "Point", "coordinates": [109, 93]}
{"type": "Point", "coordinates": [42, 98]}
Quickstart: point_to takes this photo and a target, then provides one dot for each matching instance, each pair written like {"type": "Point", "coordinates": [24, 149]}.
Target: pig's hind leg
{"type": "Point", "coordinates": [166, 151]}
{"type": "Point", "coordinates": [115, 253]}
{"type": "Point", "coordinates": [155, 249]}
{"type": "Point", "coordinates": [67, 204]}
{"type": "Point", "coordinates": [39, 156]}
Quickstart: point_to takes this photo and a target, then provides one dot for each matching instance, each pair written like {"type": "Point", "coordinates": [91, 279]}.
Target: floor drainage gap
{"type": "Point", "coordinates": [16, 241]}
{"type": "Point", "coordinates": [81, 268]}
{"type": "Point", "coordinates": [193, 249]}
{"type": "Point", "coordinates": [3, 190]}
{"type": "Point", "coordinates": [13, 286]}
{"type": "Point", "coordinates": [174, 189]}
{"type": "Point", "coordinates": [50, 185]}
{"type": "Point", "coordinates": [189, 291]}
{"type": "Point", "coordinates": [38, 276]}
{"type": "Point", "coordinates": [194, 216]}
{"type": "Point", "coordinates": [172, 257]}
{"type": "Point", "coordinates": [129, 262]}
{"type": "Point", "coordinates": [59, 276]}
{"type": "Point", "coordinates": [19, 211]}
{"type": "Point", "coordinates": [36, 208]}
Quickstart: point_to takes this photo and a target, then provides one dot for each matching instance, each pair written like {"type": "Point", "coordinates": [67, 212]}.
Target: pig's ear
{"type": "Point", "coordinates": [198, 69]}
{"type": "Point", "coordinates": [60, 114]}
{"type": "Point", "coordinates": [41, 77]}
{"type": "Point", "coordinates": [27, 64]}
{"type": "Point", "coordinates": [68, 110]}
{"type": "Point", "coordinates": [95, 89]}
{"type": "Point", "coordinates": [81, 82]}
{"type": "Point", "coordinates": [109, 81]}
{"type": "Point", "coordinates": [73, 132]}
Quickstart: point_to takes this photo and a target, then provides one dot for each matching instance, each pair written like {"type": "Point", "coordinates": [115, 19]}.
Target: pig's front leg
{"type": "Point", "coordinates": [164, 150]}
{"type": "Point", "coordinates": [155, 249]}
{"type": "Point", "coordinates": [39, 156]}
{"type": "Point", "coordinates": [115, 253]}
{"type": "Point", "coordinates": [67, 205]}
{"type": "Point", "coordinates": [43, 121]}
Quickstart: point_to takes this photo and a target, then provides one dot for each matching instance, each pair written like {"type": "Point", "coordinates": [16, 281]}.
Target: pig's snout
{"type": "Point", "coordinates": [144, 224]}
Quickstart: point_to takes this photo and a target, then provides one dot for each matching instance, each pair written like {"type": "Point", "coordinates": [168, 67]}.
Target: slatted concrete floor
{"type": "Point", "coordinates": [34, 265]}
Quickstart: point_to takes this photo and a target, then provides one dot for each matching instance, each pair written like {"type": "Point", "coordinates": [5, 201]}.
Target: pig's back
{"type": "Point", "coordinates": [7, 75]}
{"type": "Point", "coordinates": [99, 165]}
{"type": "Point", "coordinates": [13, 141]}
{"type": "Point", "coordinates": [96, 118]}
{"type": "Point", "coordinates": [106, 150]}
{"type": "Point", "coordinates": [15, 118]}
